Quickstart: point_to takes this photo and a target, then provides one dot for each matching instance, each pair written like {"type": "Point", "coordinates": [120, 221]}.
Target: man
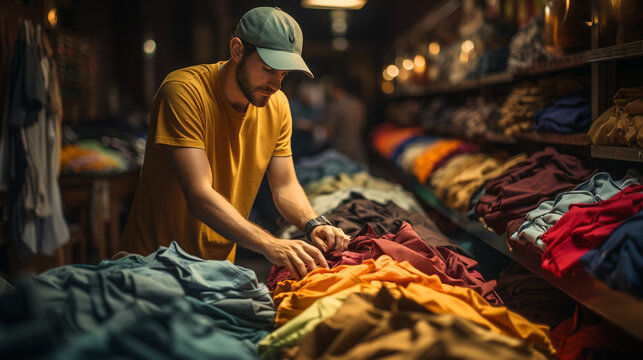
{"type": "Point", "coordinates": [214, 131]}
{"type": "Point", "coordinates": [345, 120]}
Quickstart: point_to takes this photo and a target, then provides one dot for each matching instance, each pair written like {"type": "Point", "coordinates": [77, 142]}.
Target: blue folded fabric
{"type": "Point", "coordinates": [619, 261]}
{"type": "Point", "coordinates": [567, 115]}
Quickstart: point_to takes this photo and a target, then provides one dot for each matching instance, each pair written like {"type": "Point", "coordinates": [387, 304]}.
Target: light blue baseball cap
{"type": "Point", "coordinates": [277, 37]}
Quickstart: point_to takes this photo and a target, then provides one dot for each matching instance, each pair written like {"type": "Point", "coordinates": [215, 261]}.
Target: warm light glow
{"type": "Point", "coordinates": [52, 17]}
{"type": "Point", "coordinates": [464, 57]}
{"type": "Point", "coordinates": [407, 64]}
{"type": "Point", "coordinates": [434, 48]}
{"type": "Point", "coordinates": [393, 71]}
{"type": "Point", "coordinates": [149, 46]}
{"type": "Point", "coordinates": [467, 46]}
{"type": "Point", "coordinates": [419, 60]}
{"type": "Point", "coordinates": [386, 76]}
{"type": "Point", "coordinates": [387, 87]}
{"type": "Point", "coordinates": [339, 26]}
{"type": "Point", "coordinates": [404, 75]}
{"type": "Point", "coordinates": [333, 4]}
{"type": "Point", "coordinates": [420, 64]}
{"type": "Point", "coordinates": [340, 44]}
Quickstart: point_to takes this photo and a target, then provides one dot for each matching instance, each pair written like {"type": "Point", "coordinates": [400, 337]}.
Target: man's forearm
{"type": "Point", "coordinates": [293, 204]}
{"type": "Point", "coordinates": [216, 212]}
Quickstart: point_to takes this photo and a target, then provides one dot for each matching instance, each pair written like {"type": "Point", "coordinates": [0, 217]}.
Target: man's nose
{"type": "Point", "coordinates": [275, 82]}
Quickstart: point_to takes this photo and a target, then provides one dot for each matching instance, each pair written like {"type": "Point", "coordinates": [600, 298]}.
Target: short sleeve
{"type": "Point", "coordinates": [282, 148]}
{"type": "Point", "coordinates": [179, 116]}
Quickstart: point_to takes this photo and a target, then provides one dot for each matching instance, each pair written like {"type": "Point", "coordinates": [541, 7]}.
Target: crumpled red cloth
{"type": "Point", "coordinates": [406, 245]}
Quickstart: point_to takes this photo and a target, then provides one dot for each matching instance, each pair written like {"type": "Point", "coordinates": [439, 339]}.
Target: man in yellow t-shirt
{"type": "Point", "coordinates": [215, 130]}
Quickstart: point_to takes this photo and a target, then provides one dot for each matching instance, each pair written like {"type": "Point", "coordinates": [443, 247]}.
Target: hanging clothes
{"type": "Point", "coordinates": [33, 121]}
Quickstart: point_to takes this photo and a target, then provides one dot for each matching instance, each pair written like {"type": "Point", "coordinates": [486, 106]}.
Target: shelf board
{"type": "Point", "coordinates": [556, 64]}
{"type": "Point", "coordinates": [616, 52]}
{"type": "Point", "coordinates": [555, 138]}
{"type": "Point", "coordinates": [499, 138]}
{"type": "Point", "coordinates": [616, 306]}
{"type": "Point", "coordinates": [559, 63]}
{"type": "Point", "coordinates": [617, 153]}
{"type": "Point", "coordinates": [443, 88]}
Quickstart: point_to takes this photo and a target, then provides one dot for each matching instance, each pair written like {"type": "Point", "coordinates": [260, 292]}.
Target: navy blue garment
{"type": "Point", "coordinates": [491, 61]}
{"type": "Point", "coordinates": [619, 261]}
{"type": "Point", "coordinates": [567, 115]}
{"type": "Point", "coordinates": [406, 143]}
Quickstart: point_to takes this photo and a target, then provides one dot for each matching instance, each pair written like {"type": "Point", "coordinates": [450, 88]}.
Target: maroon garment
{"type": "Point", "coordinates": [586, 226]}
{"type": "Point", "coordinates": [461, 149]}
{"type": "Point", "coordinates": [524, 186]}
{"type": "Point", "coordinates": [406, 245]}
{"type": "Point", "coordinates": [352, 215]}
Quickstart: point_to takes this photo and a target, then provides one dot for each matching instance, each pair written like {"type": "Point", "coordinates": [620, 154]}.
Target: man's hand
{"type": "Point", "coordinates": [296, 255]}
{"type": "Point", "coordinates": [328, 238]}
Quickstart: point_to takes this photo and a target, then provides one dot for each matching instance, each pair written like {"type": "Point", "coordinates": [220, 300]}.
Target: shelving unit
{"type": "Point", "coordinates": [543, 67]}
{"type": "Point", "coordinates": [616, 52]}
{"type": "Point", "coordinates": [617, 153]}
{"type": "Point", "coordinates": [620, 308]}
{"type": "Point", "coordinates": [605, 68]}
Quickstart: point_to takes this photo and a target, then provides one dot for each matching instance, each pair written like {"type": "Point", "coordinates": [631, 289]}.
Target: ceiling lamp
{"type": "Point", "coordinates": [333, 4]}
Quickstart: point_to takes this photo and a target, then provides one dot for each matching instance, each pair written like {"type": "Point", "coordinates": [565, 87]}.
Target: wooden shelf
{"type": "Point", "coordinates": [616, 52]}
{"type": "Point", "coordinates": [499, 138]}
{"type": "Point", "coordinates": [554, 138]}
{"type": "Point", "coordinates": [617, 153]}
{"type": "Point", "coordinates": [616, 306]}
{"type": "Point", "coordinates": [559, 63]}
{"type": "Point", "coordinates": [444, 88]}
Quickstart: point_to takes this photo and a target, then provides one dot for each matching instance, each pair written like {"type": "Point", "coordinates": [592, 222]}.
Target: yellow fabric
{"type": "Point", "coordinates": [424, 164]}
{"type": "Point", "coordinates": [463, 175]}
{"type": "Point", "coordinates": [622, 124]}
{"type": "Point", "coordinates": [292, 297]}
{"type": "Point", "coordinates": [190, 110]}
{"type": "Point", "coordinates": [332, 183]}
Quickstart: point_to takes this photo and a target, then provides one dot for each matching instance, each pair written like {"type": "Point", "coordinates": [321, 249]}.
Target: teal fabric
{"type": "Point", "coordinates": [185, 329]}
{"type": "Point", "coordinates": [52, 311]}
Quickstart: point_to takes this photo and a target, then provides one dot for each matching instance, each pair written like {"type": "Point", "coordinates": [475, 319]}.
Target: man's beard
{"type": "Point", "coordinates": [243, 80]}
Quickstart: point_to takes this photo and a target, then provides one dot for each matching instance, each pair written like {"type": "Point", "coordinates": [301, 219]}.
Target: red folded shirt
{"type": "Point", "coordinates": [587, 226]}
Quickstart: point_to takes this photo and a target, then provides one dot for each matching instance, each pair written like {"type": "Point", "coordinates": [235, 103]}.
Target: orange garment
{"type": "Point", "coordinates": [387, 138]}
{"type": "Point", "coordinates": [79, 159]}
{"type": "Point", "coordinates": [424, 164]}
{"type": "Point", "coordinates": [292, 297]}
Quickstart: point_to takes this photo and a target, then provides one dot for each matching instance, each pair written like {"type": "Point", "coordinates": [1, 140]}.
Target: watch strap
{"type": "Point", "coordinates": [315, 222]}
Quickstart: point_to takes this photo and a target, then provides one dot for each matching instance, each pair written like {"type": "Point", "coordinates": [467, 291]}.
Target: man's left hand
{"type": "Point", "coordinates": [328, 238]}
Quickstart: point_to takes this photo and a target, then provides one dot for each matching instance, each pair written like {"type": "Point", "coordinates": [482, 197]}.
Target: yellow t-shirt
{"type": "Point", "coordinates": [190, 110]}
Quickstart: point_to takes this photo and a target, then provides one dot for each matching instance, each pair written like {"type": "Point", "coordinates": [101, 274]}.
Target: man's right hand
{"type": "Point", "coordinates": [296, 255]}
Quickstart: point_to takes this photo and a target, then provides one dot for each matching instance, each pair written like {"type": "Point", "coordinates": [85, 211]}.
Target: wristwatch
{"type": "Point", "coordinates": [313, 223]}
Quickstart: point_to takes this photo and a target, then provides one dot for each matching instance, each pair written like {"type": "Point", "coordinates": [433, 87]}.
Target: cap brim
{"type": "Point", "coordinates": [283, 60]}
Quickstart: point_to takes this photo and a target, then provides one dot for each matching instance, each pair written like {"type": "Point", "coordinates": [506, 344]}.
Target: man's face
{"type": "Point", "coordinates": [257, 80]}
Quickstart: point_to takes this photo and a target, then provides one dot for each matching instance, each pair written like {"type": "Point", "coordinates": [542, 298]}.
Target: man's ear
{"type": "Point", "coordinates": [236, 49]}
